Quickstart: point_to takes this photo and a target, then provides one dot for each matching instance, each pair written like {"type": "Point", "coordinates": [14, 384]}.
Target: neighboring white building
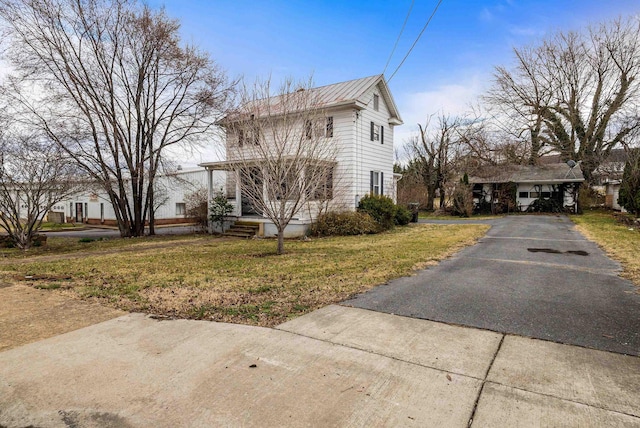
{"type": "Point", "coordinates": [362, 115]}
{"type": "Point", "coordinates": [555, 181]}
{"type": "Point", "coordinates": [93, 206]}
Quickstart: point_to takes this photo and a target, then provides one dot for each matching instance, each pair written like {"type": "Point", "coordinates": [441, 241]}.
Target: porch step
{"type": "Point", "coordinates": [243, 229]}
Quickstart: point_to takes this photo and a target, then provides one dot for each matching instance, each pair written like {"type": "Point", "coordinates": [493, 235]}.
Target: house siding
{"type": "Point", "coordinates": [370, 155]}
{"type": "Point", "coordinates": [357, 155]}
{"type": "Point", "coordinates": [171, 190]}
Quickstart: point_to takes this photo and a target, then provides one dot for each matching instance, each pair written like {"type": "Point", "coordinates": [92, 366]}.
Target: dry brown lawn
{"type": "Point", "coordinates": [232, 280]}
{"type": "Point", "coordinates": [621, 242]}
{"type": "Point", "coordinates": [28, 314]}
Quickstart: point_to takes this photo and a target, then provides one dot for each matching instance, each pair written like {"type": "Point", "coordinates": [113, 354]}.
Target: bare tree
{"type": "Point", "coordinates": [516, 99]}
{"type": "Point", "coordinates": [576, 92]}
{"type": "Point", "coordinates": [34, 176]}
{"type": "Point", "coordinates": [629, 196]}
{"type": "Point", "coordinates": [434, 152]}
{"type": "Point", "coordinates": [283, 151]}
{"type": "Point", "coordinates": [116, 88]}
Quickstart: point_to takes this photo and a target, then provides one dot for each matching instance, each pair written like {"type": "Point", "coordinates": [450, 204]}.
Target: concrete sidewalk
{"type": "Point", "coordinates": [337, 366]}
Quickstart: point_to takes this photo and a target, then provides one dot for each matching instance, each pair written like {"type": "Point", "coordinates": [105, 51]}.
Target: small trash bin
{"type": "Point", "coordinates": [414, 208]}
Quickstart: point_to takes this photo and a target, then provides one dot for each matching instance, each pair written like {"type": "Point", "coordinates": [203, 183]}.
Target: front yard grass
{"type": "Point", "coordinates": [619, 241]}
{"type": "Point", "coordinates": [241, 281]}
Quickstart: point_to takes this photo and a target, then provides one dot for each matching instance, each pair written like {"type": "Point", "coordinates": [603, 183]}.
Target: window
{"type": "Point", "coordinates": [329, 132]}
{"type": "Point", "coordinates": [546, 194]}
{"type": "Point", "coordinates": [377, 178]}
{"type": "Point", "coordinates": [289, 187]}
{"type": "Point", "coordinates": [248, 136]}
{"type": "Point", "coordinates": [375, 132]}
{"type": "Point", "coordinates": [181, 208]}
{"type": "Point", "coordinates": [313, 128]}
{"type": "Point", "coordinates": [523, 194]}
{"type": "Point", "coordinates": [534, 195]}
{"type": "Point", "coordinates": [324, 174]}
{"type": "Point", "coordinates": [376, 102]}
{"type": "Point", "coordinates": [308, 129]}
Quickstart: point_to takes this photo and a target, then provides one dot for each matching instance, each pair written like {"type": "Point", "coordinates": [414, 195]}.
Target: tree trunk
{"type": "Point", "coordinates": [152, 213]}
{"type": "Point", "coordinates": [431, 194]}
{"type": "Point", "coordinates": [280, 241]}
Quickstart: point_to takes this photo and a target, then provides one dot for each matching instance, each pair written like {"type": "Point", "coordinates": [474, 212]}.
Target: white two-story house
{"type": "Point", "coordinates": [358, 121]}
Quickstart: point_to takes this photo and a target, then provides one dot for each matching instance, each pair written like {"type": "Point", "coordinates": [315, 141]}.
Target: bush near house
{"type": "Point", "coordinates": [220, 209]}
{"type": "Point", "coordinates": [402, 216]}
{"type": "Point", "coordinates": [196, 206]}
{"type": "Point", "coordinates": [344, 224]}
{"type": "Point", "coordinates": [381, 208]}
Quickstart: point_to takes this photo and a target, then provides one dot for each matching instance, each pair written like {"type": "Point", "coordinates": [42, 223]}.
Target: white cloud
{"type": "Point", "coordinates": [453, 99]}
{"type": "Point", "coordinates": [486, 15]}
{"type": "Point", "coordinates": [526, 31]}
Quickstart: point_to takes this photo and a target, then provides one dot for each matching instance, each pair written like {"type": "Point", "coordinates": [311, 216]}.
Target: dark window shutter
{"type": "Point", "coordinates": [381, 183]}
{"type": "Point", "coordinates": [372, 126]}
{"type": "Point", "coordinates": [371, 182]}
{"type": "Point", "coordinates": [382, 135]}
{"type": "Point", "coordinates": [240, 137]}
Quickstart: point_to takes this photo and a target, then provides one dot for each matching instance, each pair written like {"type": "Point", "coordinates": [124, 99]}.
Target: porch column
{"type": "Point", "coordinates": [209, 197]}
{"type": "Point", "coordinates": [238, 208]}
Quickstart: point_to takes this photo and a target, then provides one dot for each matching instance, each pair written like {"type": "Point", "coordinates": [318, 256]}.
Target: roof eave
{"type": "Point", "coordinates": [558, 181]}
{"type": "Point", "coordinates": [391, 104]}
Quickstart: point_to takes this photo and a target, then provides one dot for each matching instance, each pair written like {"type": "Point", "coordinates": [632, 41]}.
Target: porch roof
{"type": "Point", "coordinates": [230, 165]}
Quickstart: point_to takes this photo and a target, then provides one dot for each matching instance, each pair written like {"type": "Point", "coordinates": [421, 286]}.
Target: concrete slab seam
{"type": "Point", "coordinates": [380, 355]}
{"type": "Point", "coordinates": [484, 381]}
{"type": "Point", "coordinates": [569, 400]}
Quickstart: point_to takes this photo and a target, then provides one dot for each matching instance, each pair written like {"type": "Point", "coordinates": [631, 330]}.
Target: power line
{"type": "Point", "coordinates": [416, 41]}
{"type": "Point", "coordinates": [399, 35]}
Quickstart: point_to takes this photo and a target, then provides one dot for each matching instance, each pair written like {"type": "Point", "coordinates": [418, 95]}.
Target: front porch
{"type": "Point", "coordinates": [244, 207]}
{"type": "Point", "coordinates": [264, 228]}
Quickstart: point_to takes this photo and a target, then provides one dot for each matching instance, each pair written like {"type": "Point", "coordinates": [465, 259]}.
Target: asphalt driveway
{"type": "Point", "coordinates": [533, 276]}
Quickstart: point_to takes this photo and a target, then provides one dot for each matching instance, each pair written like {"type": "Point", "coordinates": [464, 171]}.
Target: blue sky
{"type": "Point", "coordinates": [342, 40]}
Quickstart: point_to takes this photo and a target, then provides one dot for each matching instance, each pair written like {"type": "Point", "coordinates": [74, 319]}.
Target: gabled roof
{"type": "Point", "coordinates": [352, 92]}
{"type": "Point", "coordinates": [535, 174]}
{"type": "Point", "coordinates": [349, 93]}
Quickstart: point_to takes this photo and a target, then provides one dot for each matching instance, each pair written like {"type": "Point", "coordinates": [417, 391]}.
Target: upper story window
{"type": "Point", "coordinates": [376, 102]}
{"type": "Point", "coordinates": [315, 129]}
{"type": "Point", "coordinates": [247, 136]}
{"type": "Point", "coordinates": [329, 131]}
{"type": "Point", "coordinates": [308, 129]}
{"type": "Point", "coordinates": [377, 133]}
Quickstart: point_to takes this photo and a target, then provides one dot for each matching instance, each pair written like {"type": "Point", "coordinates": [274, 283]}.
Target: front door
{"type": "Point", "coordinates": [252, 183]}
{"type": "Point", "coordinates": [79, 212]}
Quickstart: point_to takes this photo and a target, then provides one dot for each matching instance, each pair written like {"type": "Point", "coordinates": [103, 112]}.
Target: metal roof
{"type": "Point", "coordinates": [550, 173]}
{"type": "Point", "coordinates": [345, 94]}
